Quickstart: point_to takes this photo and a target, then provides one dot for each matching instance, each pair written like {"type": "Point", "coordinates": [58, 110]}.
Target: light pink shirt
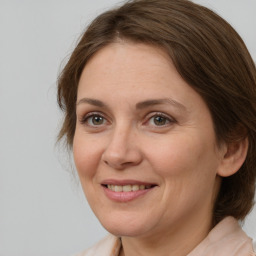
{"type": "Point", "coordinates": [225, 239]}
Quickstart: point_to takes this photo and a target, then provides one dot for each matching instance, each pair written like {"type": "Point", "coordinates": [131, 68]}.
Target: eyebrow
{"type": "Point", "coordinates": [93, 102]}
{"type": "Point", "coordinates": [139, 105]}
{"type": "Point", "coordinates": [149, 103]}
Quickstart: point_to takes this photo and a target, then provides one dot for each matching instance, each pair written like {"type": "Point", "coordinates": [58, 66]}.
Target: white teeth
{"type": "Point", "coordinates": [128, 188]}
{"type": "Point", "coordinates": [135, 187]}
{"type": "Point", "coordinates": [118, 188]}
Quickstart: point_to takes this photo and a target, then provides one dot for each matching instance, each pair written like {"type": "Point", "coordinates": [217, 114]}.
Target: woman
{"type": "Point", "coordinates": [159, 98]}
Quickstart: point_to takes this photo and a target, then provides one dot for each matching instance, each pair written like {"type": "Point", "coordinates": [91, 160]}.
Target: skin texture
{"type": "Point", "coordinates": [120, 138]}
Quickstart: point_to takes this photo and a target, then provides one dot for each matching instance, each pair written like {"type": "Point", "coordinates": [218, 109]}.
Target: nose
{"type": "Point", "coordinates": [123, 150]}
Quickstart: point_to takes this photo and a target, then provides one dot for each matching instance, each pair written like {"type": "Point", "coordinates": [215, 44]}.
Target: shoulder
{"type": "Point", "coordinates": [109, 246]}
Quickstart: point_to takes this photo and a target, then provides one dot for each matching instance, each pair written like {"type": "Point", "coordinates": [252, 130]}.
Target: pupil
{"type": "Point", "coordinates": [97, 120]}
{"type": "Point", "coordinates": [159, 120]}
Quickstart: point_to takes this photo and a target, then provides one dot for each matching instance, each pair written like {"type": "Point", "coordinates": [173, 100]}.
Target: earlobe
{"type": "Point", "coordinates": [233, 158]}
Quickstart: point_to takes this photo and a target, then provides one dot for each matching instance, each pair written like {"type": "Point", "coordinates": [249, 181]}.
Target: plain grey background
{"type": "Point", "coordinates": [42, 209]}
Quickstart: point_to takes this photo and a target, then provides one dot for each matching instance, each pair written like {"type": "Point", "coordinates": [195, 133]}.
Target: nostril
{"type": "Point", "coordinates": [122, 158]}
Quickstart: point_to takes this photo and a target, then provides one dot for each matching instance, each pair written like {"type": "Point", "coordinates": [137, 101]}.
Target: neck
{"type": "Point", "coordinates": [179, 241]}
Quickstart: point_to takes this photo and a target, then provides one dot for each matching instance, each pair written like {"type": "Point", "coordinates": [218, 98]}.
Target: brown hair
{"type": "Point", "coordinates": [208, 54]}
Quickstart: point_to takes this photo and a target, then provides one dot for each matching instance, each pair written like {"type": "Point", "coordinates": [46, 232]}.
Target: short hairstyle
{"type": "Point", "coordinates": [208, 54]}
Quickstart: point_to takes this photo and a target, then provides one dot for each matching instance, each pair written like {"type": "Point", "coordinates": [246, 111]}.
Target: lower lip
{"type": "Point", "coordinates": [125, 196]}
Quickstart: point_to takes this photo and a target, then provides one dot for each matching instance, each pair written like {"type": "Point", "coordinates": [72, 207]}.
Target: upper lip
{"type": "Point", "coordinates": [125, 182]}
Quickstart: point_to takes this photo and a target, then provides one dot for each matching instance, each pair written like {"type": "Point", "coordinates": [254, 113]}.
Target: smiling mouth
{"type": "Point", "coordinates": [127, 188]}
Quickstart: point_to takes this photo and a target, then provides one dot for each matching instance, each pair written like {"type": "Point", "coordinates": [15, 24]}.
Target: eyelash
{"type": "Point", "coordinates": [167, 118]}
{"type": "Point", "coordinates": [86, 119]}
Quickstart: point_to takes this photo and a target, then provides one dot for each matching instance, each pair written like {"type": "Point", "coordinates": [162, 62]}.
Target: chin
{"type": "Point", "coordinates": [120, 226]}
{"type": "Point", "coordinates": [125, 231]}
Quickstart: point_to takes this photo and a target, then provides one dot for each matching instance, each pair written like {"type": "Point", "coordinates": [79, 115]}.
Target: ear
{"type": "Point", "coordinates": [233, 157]}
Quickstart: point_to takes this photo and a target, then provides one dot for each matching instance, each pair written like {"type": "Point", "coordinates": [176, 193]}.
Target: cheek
{"type": "Point", "coordinates": [187, 164]}
{"type": "Point", "coordinates": [86, 155]}
{"type": "Point", "coordinates": [178, 155]}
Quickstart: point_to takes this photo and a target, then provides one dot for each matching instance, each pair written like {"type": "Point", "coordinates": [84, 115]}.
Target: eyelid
{"type": "Point", "coordinates": [157, 113]}
{"type": "Point", "coordinates": [85, 117]}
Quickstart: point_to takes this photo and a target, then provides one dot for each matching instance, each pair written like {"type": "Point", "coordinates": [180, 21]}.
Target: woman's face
{"type": "Point", "coordinates": [144, 144]}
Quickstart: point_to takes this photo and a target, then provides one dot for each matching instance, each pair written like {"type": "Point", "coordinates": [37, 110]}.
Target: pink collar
{"type": "Point", "coordinates": [225, 239]}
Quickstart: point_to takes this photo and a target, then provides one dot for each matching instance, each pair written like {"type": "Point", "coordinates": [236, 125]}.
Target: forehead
{"type": "Point", "coordinates": [128, 64]}
{"type": "Point", "coordinates": [134, 73]}
{"type": "Point", "coordinates": [128, 57]}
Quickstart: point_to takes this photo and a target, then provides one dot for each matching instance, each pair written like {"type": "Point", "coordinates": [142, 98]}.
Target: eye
{"type": "Point", "coordinates": [93, 120]}
{"type": "Point", "coordinates": [160, 119]}
{"type": "Point", "coordinates": [96, 120]}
